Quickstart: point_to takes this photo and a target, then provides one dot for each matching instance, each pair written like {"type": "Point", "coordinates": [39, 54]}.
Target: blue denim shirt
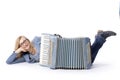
{"type": "Point", "coordinates": [27, 57]}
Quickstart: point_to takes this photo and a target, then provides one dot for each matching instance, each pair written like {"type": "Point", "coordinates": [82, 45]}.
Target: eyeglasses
{"type": "Point", "coordinates": [23, 42]}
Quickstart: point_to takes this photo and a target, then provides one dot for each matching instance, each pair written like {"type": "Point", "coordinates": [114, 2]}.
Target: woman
{"type": "Point", "coordinates": [25, 51]}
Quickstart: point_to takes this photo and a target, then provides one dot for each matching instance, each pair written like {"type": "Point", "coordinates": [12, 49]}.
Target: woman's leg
{"type": "Point", "coordinates": [100, 39]}
{"type": "Point", "coordinates": [98, 43]}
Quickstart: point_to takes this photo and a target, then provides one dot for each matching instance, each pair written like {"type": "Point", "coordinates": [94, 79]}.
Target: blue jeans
{"type": "Point", "coordinates": [98, 43]}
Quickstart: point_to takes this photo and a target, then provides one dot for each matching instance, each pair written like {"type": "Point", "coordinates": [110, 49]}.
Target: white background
{"type": "Point", "coordinates": [70, 18]}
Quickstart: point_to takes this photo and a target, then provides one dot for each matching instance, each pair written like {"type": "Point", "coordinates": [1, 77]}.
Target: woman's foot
{"type": "Point", "coordinates": [105, 34]}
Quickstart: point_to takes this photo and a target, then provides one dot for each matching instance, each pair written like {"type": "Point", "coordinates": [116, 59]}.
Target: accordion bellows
{"type": "Point", "coordinates": [65, 53]}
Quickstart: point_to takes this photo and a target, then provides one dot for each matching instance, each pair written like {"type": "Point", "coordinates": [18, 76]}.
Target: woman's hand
{"type": "Point", "coordinates": [20, 50]}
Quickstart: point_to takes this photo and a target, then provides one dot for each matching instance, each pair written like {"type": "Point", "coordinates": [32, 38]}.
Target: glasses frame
{"type": "Point", "coordinates": [23, 42]}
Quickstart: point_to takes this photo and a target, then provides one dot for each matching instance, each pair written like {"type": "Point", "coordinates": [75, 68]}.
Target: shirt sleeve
{"type": "Point", "coordinates": [12, 59]}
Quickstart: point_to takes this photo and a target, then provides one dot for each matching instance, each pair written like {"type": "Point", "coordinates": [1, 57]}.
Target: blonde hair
{"type": "Point", "coordinates": [32, 50]}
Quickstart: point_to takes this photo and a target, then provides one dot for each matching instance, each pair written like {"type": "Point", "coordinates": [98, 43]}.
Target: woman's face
{"type": "Point", "coordinates": [24, 43]}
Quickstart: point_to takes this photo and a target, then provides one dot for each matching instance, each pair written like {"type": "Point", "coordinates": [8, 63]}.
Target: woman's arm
{"type": "Point", "coordinates": [13, 59]}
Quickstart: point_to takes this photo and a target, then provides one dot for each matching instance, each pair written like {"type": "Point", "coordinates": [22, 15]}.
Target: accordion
{"type": "Point", "coordinates": [65, 53]}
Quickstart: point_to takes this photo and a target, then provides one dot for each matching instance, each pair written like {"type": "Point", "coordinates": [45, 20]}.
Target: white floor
{"type": "Point", "coordinates": [70, 18]}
